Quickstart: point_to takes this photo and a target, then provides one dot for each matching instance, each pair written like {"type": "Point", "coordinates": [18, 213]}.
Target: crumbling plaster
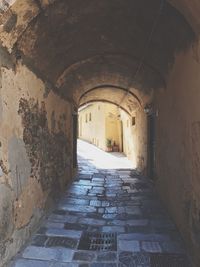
{"type": "Point", "coordinates": [28, 33]}
{"type": "Point", "coordinates": [24, 196]}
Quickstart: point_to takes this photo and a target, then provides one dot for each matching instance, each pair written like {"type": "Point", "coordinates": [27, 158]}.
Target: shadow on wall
{"type": "Point", "coordinates": [47, 150]}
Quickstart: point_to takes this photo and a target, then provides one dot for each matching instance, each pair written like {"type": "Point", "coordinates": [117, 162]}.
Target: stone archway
{"type": "Point", "coordinates": [55, 54]}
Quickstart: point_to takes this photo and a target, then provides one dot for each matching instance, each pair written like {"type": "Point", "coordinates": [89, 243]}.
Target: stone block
{"type": "Point", "coordinates": [48, 254]}
{"type": "Point", "coordinates": [133, 246]}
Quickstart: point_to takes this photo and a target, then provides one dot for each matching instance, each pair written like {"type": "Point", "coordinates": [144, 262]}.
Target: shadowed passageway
{"type": "Point", "coordinates": [107, 218]}
{"type": "Point", "coordinates": [58, 58]}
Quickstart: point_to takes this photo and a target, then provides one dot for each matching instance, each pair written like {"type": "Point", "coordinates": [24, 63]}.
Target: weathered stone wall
{"type": "Point", "coordinates": [178, 146]}
{"type": "Point", "coordinates": [35, 152]}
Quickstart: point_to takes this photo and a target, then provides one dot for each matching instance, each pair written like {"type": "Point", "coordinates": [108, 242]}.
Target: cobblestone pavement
{"type": "Point", "coordinates": [107, 218]}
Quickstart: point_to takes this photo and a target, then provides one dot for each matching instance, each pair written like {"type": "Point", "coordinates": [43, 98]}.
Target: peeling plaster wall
{"type": "Point", "coordinates": [35, 153]}
{"type": "Point", "coordinates": [178, 146]}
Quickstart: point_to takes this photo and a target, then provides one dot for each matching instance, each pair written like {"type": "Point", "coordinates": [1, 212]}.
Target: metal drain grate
{"type": "Point", "coordinates": [169, 260]}
{"type": "Point", "coordinates": [98, 241]}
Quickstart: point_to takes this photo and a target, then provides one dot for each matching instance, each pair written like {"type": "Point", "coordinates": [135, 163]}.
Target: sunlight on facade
{"type": "Point", "coordinates": [103, 160]}
{"type": "Point", "coordinates": [111, 129]}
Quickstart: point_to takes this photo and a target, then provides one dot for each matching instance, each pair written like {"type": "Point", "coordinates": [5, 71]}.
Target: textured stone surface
{"type": "Point", "coordinates": [6, 214]}
{"type": "Point", "coordinates": [83, 236]}
{"type": "Point", "coordinates": [29, 142]}
{"type": "Point", "coordinates": [151, 247]}
{"type": "Point", "coordinates": [130, 43]}
{"type": "Point", "coordinates": [48, 254]}
{"type": "Point", "coordinates": [116, 37]}
{"type": "Point", "coordinates": [107, 256]}
{"type": "Point", "coordinates": [133, 246]}
{"type": "Point", "coordinates": [84, 256]}
{"type": "Point", "coordinates": [61, 241]}
{"type": "Point", "coordinates": [127, 259]}
{"type": "Point", "coordinates": [1, 172]}
{"type": "Point", "coordinates": [63, 232]}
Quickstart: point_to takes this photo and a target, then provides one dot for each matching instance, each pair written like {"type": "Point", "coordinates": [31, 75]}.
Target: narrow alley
{"type": "Point", "coordinates": [110, 216]}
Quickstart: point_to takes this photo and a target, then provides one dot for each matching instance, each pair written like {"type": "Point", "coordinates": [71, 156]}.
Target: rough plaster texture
{"type": "Point", "coordinates": [190, 9]}
{"type": "Point", "coordinates": [32, 197]}
{"type": "Point", "coordinates": [6, 197]}
{"type": "Point", "coordinates": [44, 36]}
{"type": "Point", "coordinates": [1, 104]}
{"type": "Point", "coordinates": [28, 182]}
{"type": "Point", "coordinates": [30, 111]}
{"type": "Point", "coordinates": [25, 11]}
{"type": "Point", "coordinates": [178, 146]}
{"type": "Point", "coordinates": [19, 163]}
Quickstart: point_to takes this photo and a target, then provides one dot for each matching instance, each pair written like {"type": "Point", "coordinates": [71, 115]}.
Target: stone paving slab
{"type": "Point", "coordinates": [74, 201]}
{"type": "Point", "coordinates": [107, 256]}
{"type": "Point", "coordinates": [133, 246]}
{"type": "Point", "coordinates": [151, 246]}
{"type": "Point", "coordinates": [63, 219]}
{"type": "Point", "coordinates": [144, 237]}
{"type": "Point", "coordinates": [63, 232]}
{"type": "Point", "coordinates": [91, 221]}
{"type": "Point", "coordinates": [37, 263]}
{"type": "Point", "coordinates": [48, 254]}
{"type": "Point", "coordinates": [104, 202]}
{"type": "Point", "coordinates": [98, 264]}
{"type": "Point", "coordinates": [84, 256]}
{"type": "Point", "coordinates": [113, 229]}
{"type": "Point", "coordinates": [77, 208]}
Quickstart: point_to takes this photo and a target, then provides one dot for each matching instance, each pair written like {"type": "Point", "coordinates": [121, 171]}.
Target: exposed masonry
{"type": "Point", "coordinates": [47, 149]}
{"type": "Point", "coordinates": [34, 153]}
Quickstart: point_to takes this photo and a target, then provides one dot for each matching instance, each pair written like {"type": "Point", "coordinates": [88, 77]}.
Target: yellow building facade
{"type": "Point", "coordinates": [105, 125]}
{"type": "Point", "coordinates": [134, 139]}
{"type": "Point", "coordinates": [100, 125]}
